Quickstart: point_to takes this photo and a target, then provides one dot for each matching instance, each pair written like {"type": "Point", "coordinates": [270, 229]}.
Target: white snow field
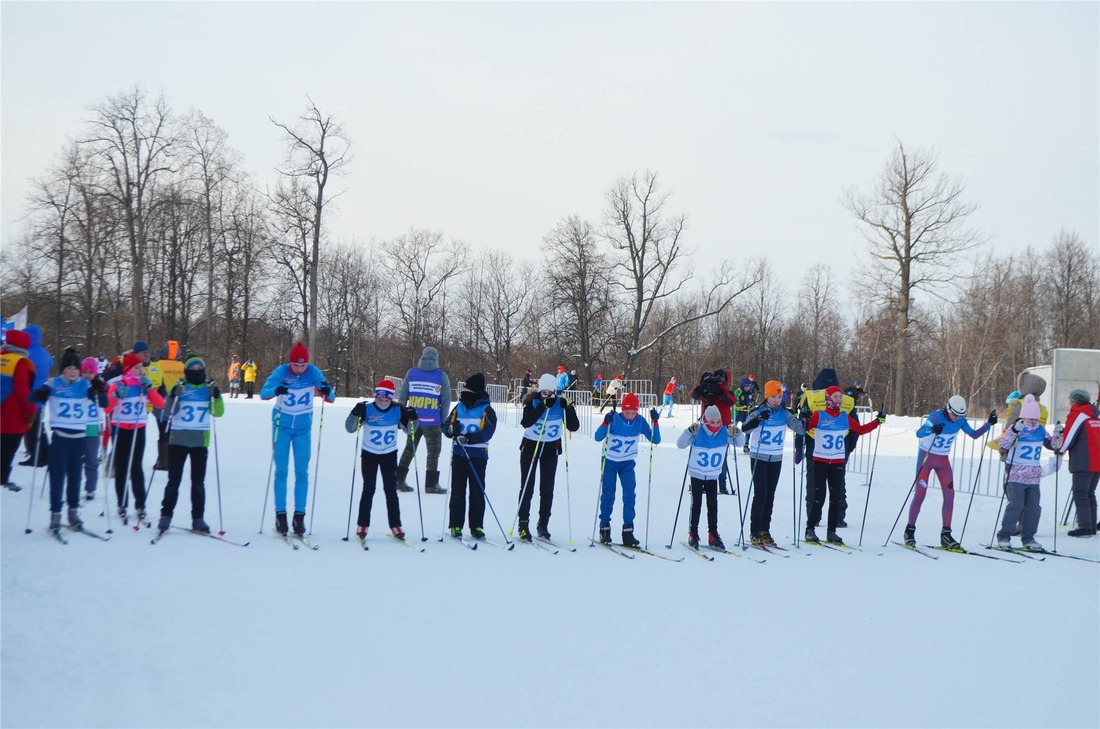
{"type": "Point", "coordinates": [191, 632]}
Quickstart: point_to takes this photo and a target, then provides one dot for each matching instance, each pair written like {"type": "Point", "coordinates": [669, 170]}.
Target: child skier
{"type": "Point", "coordinates": [622, 430]}
{"type": "Point", "coordinates": [67, 397]}
{"type": "Point", "coordinates": [89, 370]}
{"type": "Point", "coordinates": [937, 435]}
{"type": "Point", "coordinates": [191, 405]}
{"type": "Point", "coordinates": [380, 421]}
{"type": "Point", "coordinates": [294, 384]}
{"type": "Point", "coordinates": [127, 397]}
{"type": "Point", "coordinates": [768, 425]}
{"type": "Point", "coordinates": [1024, 441]}
{"type": "Point", "coordinates": [545, 416]}
{"type": "Point", "coordinates": [709, 445]}
{"type": "Point", "coordinates": [831, 425]}
{"type": "Point", "coordinates": [470, 425]}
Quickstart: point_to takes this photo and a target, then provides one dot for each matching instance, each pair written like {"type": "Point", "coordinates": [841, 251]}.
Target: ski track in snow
{"type": "Point", "coordinates": [189, 632]}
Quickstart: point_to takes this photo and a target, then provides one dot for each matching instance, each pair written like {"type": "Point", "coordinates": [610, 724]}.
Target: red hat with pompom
{"type": "Point", "coordinates": [630, 402]}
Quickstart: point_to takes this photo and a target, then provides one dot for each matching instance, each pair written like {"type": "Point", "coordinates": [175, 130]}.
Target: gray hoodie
{"type": "Point", "coordinates": [429, 362]}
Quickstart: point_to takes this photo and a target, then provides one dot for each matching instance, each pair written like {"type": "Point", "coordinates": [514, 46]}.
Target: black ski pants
{"type": "Point", "coordinates": [177, 455]}
{"type": "Point", "coordinates": [9, 446]}
{"type": "Point", "coordinates": [547, 455]}
{"type": "Point", "coordinates": [372, 464]}
{"type": "Point", "coordinates": [765, 482]}
{"type": "Point", "coordinates": [699, 488]}
{"type": "Point", "coordinates": [467, 474]}
{"type": "Point", "coordinates": [830, 476]}
{"type": "Point", "coordinates": [1084, 498]}
{"type": "Point", "coordinates": [129, 440]}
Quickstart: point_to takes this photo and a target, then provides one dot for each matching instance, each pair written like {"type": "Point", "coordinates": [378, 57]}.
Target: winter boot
{"type": "Point", "coordinates": [715, 542]}
{"type": "Point", "coordinates": [911, 536]}
{"type": "Point", "coordinates": [605, 534]}
{"type": "Point", "coordinates": [477, 532]}
{"type": "Point", "coordinates": [1081, 532]}
{"type": "Point", "coordinates": [361, 531]}
{"type": "Point", "coordinates": [542, 531]}
{"type": "Point", "coordinates": [397, 533]}
{"type": "Point", "coordinates": [628, 536]}
{"type": "Point", "coordinates": [431, 483]}
{"type": "Point", "coordinates": [163, 456]}
{"type": "Point", "coordinates": [299, 523]}
{"type": "Point", "coordinates": [402, 474]}
{"type": "Point", "coordinates": [947, 541]}
{"type": "Point", "coordinates": [833, 538]}
{"type": "Point", "coordinates": [811, 536]}
{"type": "Point", "coordinates": [693, 539]}
{"type": "Point", "coordinates": [74, 519]}
{"type": "Point", "coordinates": [525, 531]}
{"type": "Point", "coordinates": [280, 523]}
{"type": "Point", "coordinates": [12, 487]}
{"type": "Point", "coordinates": [200, 526]}
{"type": "Point", "coordinates": [55, 521]}
{"type": "Point", "coordinates": [164, 522]}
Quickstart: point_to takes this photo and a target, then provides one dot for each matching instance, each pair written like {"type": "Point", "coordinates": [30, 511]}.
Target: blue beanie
{"type": "Point", "coordinates": [140, 346]}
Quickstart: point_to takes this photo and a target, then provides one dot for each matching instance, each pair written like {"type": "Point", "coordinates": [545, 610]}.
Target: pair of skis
{"type": "Point", "coordinates": [629, 552]}
{"type": "Point", "coordinates": [363, 544]}
{"type": "Point", "coordinates": [216, 537]}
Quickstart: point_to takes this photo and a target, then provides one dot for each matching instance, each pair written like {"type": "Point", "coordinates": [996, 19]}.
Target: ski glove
{"type": "Point", "coordinates": [215, 391]}
{"type": "Point", "coordinates": [693, 428]}
{"type": "Point", "coordinates": [97, 385]}
{"type": "Point", "coordinates": [1018, 425]}
{"type": "Point", "coordinates": [608, 418]}
{"type": "Point", "coordinates": [654, 415]}
{"type": "Point", "coordinates": [992, 417]}
{"type": "Point", "coordinates": [536, 402]}
{"type": "Point", "coordinates": [42, 394]}
{"type": "Point", "coordinates": [461, 440]}
{"type": "Point", "coordinates": [763, 415]}
{"type": "Point", "coordinates": [411, 414]}
{"type": "Point", "coordinates": [282, 390]}
{"type": "Point", "coordinates": [359, 411]}
{"type": "Point", "coordinates": [881, 416]}
{"type": "Point", "coordinates": [733, 430]}
{"type": "Point", "coordinates": [937, 428]}
{"type": "Point", "coordinates": [325, 389]}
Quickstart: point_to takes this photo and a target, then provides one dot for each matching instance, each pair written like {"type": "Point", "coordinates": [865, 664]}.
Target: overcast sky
{"type": "Point", "coordinates": [492, 121]}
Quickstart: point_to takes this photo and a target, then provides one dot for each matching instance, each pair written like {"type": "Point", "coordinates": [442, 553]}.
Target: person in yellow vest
{"type": "Point", "coordinates": [234, 377]}
{"type": "Point", "coordinates": [813, 400]}
{"type": "Point", "coordinates": [248, 371]}
{"type": "Point", "coordinates": [164, 372]}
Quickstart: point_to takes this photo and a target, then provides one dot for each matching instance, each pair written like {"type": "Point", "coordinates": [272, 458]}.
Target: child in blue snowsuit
{"type": "Point", "coordinates": [294, 385]}
{"type": "Point", "coordinates": [622, 431]}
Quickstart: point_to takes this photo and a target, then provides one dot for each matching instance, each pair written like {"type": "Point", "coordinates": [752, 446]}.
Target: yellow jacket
{"type": "Point", "coordinates": [249, 371]}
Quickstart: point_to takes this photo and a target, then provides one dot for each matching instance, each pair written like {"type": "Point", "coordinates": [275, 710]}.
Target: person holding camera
{"type": "Point", "coordinates": [713, 389]}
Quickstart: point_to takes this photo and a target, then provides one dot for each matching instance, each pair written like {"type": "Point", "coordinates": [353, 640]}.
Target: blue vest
{"type": "Point", "coordinates": [1028, 448]}
{"type": "Point", "coordinates": [767, 438]}
{"type": "Point", "coordinates": [829, 435]}
{"type": "Point", "coordinates": [425, 389]}
{"type": "Point", "coordinates": [469, 421]}
{"type": "Point", "coordinates": [549, 425]}
{"type": "Point", "coordinates": [380, 429]}
{"type": "Point", "coordinates": [193, 408]}
{"type": "Point", "coordinates": [708, 453]}
{"type": "Point", "coordinates": [68, 404]}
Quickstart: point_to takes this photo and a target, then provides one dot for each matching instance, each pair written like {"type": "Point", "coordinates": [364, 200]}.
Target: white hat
{"type": "Point", "coordinates": [548, 382]}
{"type": "Point", "coordinates": [712, 413]}
{"type": "Point", "coordinates": [957, 405]}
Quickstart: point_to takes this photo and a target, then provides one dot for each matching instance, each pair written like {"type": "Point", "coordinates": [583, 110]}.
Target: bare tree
{"type": "Point", "coordinates": [649, 255]}
{"type": "Point", "coordinates": [915, 229]}
{"type": "Point", "coordinates": [1071, 280]}
{"type": "Point", "coordinates": [316, 148]}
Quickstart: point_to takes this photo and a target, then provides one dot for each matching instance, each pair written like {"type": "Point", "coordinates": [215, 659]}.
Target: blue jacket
{"type": "Point", "coordinates": [42, 360]}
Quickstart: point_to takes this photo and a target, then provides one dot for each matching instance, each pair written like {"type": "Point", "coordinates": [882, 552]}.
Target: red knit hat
{"type": "Point", "coordinates": [385, 387]}
{"type": "Point", "coordinates": [298, 354]}
{"type": "Point", "coordinates": [18, 338]}
{"type": "Point", "coordinates": [130, 361]}
{"type": "Point", "coordinates": [630, 402]}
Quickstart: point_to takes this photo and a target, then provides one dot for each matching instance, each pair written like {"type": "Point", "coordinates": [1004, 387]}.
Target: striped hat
{"type": "Point", "coordinates": [385, 388]}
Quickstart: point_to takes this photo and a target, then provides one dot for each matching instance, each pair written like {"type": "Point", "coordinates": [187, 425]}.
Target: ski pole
{"type": "Point", "coordinates": [599, 488]}
{"type": "Point", "coordinates": [529, 474]}
{"type": "Point", "coordinates": [416, 473]}
{"type": "Point", "coordinates": [477, 480]}
{"type": "Point", "coordinates": [130, 460]}
{"type": "Point", "coordinates": [167, 437]}
{"type": "Point", "coordinates": [978, 475]}
{"type": "Point", "coordinates": [648, 495]}
{"type": "Point", "coordinates": [911, 487]}
{"type": "Point", "coordinates": [737, 476]}
{"type": "Point", "coordinates": [748, 497]}
{"type": "Point", "coordinates": [271, 465]}
{"type": "Point", "coordinates": [317, 467]}
{"type": "Point", "coordinates": [351, 491]}
{"type": "Point", "coordinates": [1065, 511]}
{"type": "Point", "coordinates": [37, 445]}
{"type": "Point", "coordinates": [217, 467]}
{"type": "Point", "coordinates": [801, 484]}
{"type": "Point", "coordinates": [1004, 487]}
{"type": "Point", "coordinates": [568, 499]}
{"type": "Point", "coordinates": [108, 465]}
{"type": "Point", "coordinates": [450, 495]}
{"type": "Point", "coordinates": [34, 477]}
{"type": "Point", "coordinates": [870, 480]}
{"type": "Point", "coordinates": [680, 501]}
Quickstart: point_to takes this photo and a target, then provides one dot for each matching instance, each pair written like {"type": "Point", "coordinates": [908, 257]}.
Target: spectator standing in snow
{"type": "Point", "coordinates": [426, 389]}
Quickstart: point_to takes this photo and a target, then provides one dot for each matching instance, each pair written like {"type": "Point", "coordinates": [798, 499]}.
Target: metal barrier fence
{"type": "Point", "coordinates": [638, 387]}
{"type": "Point", "coordinates": [397, 381]}
{"type": "Point", "coordinates": [497, 393]}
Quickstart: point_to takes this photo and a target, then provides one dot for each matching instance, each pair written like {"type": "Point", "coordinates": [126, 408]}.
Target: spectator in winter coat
{"type": "Point", "coordinates": [470, 425]}
{"type": "Point", "coordinates": [746, 399]}
{"type": "Point", "coordinates": [713, 389]}
{"type": "Point", "coordinates": [622, 432]}
{"type": "Point", "coordinates": [937, 436]}
{"type": "Point", "coordinates": [1082, 442]}
{"type": "Point", "coordinates": [1027, 384]}
{"type": "Point", "coordinates": [526, 385]}
{"type": "Point", "coordinates": [43, 363]}
{"type": "Point", "coordinates": [127, 397]}
{"type": "Point", "coordinates": [830, 425]}
{"type": "Point", "coordinates": [17, 412]}
{"type": "Point", "coordinates": [294, 385]}
{"type": "Point", "coordinates": [234, 377]}
{"type": "Point", "coordinates": [248, 373]}
{"type": "Point", "coordinates": [140, 350]}
{"type": "Point", "coordinates": [1024, 441]}
{"type": "Point", "coordinates": [427, 389]}
{"type": "Point", "coordinates": [546, 415]}
{"type": "Point", "coordinates": [767, 426]}
{"type": "Point", "coordinates": [709, 442]}
{"type": "Point", "coordinates": [164, 371]}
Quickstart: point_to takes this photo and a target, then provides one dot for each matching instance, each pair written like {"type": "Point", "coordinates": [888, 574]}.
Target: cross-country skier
{"type": "Point", "coordinates": [471, 425]}
{"type": "Point", "coordinates": [546, 415]}
{"type": "Point", "coordinates": [622, 431]}
{"type": "Point", "coordinates": [768, 426]}
{"type": "Point", "coordinates": [709, 442]}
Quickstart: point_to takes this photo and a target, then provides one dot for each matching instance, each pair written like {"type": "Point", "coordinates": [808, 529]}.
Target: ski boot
{"type": "Point", "coordinates": [200, 526]}
{"type": "Point", "coordinates": [842, 524]}
{"type": "Point", "coordinates": [715, 542]}
{"type": "Point", "coordinates": [768, 541]}
{"type": "Point", "coordinates": [477, 533]}
{"type": "Point", "coordinates": [55, 522]}
{"type": "Point", "coordinates": [605, 535]}
{"type": "Point", "coordinates": [758, 540]}
{"type": "Point", "coordinates": [1032, 546]}
{"type": "Point", "coordinates": [163, 523]}
{"type": "Point", "coordinates": [142, 517]}
{"type": "Point", "coordinates": [910, 536]}
{"type": "Point", "coordinates": [89, 496]}
{"type": "Point", "coordinates": [456, 532]}
{"type": "Point", "coordinates": [542, 531]}
{"type": "Point", "coordinates": [525, 531]}
{"type": "Point", "coordinates": [280, 523]}
{"type": "Point", "coordinates": [299, 523]}
{"type": "Point", "coordinates": [628, 537]}
{"type": "Point", "coordinates": [361, 531]}
{"type": "Point", "coordinates": [1004, 543]}
{"type": "Point", "coordinates": [833, 538]}
{"type": "Point", "coordinates": [397, 533]}
{"type": "Point", "coordinates": [74, 519]}
{"type": "Point", "coordinates": [947, 541]}
{"type": "Point", "coordinates": [693, 538]}
{"type": "Point", "coordinates": [811, 536]}
{"type": "Point", "coordinates": [1081, 532]}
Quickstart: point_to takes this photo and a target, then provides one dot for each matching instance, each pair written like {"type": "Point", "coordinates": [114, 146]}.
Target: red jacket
{"type": "Point", "coordinates": [1082, 438]}
{"type": "Point", "coordinates": [152, 397]}
{"type": "Point", "coordinates": [723, 400]}
{"type": "Point", "coordinates": [16, 412]}
{"type": "Point", "coordinates": [853, 425]}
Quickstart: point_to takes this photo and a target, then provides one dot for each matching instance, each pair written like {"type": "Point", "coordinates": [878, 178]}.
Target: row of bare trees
{"type": "Point", "coordinates": [148, 226]}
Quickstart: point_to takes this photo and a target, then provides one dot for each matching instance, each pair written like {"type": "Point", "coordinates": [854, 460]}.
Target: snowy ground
{"type": "Point", "coordinates": [191, 632]}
